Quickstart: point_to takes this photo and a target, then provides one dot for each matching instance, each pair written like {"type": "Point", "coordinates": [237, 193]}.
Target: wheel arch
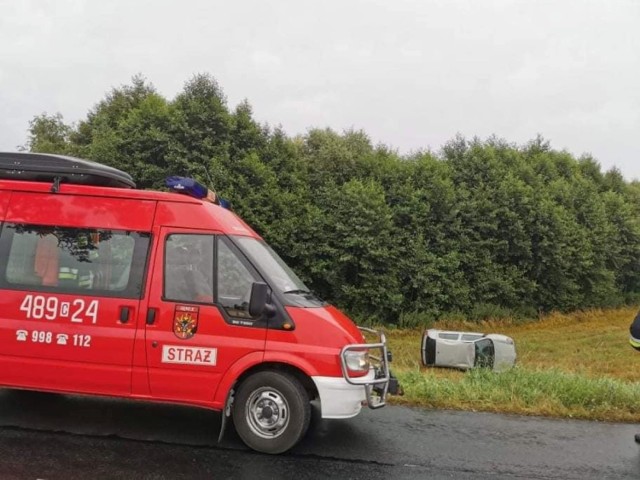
{"type": "Point", "coordinates": [305, 380]}
{"type": "Point", "coordinates": [252, 364]}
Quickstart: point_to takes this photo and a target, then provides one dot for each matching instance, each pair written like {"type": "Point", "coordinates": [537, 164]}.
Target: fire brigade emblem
{"type": "Point", "coordinates": [185, 321]}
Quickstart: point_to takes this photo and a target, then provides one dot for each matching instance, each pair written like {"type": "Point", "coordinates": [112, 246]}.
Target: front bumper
{"type": "Point", "coordinates": [376, 382]}
{"type": "Point", "coordinates": [338, 398]}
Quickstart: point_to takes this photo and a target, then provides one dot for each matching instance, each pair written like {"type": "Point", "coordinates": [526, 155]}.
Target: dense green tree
{"type": "Point", "coordinates": [479, 228]}
{"type": "Point", "coordinates": [48, 134]}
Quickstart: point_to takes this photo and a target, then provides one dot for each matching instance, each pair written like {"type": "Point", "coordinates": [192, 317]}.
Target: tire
{"type": "Point", "coordinates": [271, 412]}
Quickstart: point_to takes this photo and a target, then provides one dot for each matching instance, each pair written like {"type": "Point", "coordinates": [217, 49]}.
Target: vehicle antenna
{"type": "Point", "coordinates": [206, 171]}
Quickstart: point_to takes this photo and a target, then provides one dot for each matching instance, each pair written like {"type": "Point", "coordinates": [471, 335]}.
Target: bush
{"type": "Point", "coordinates": [489, 311]}
{"type": "Point", "coordinates": [414, 319]}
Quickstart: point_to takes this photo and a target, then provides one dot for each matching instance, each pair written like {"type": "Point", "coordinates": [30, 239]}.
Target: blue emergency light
{"type": "Point", "coordinates": [188, 186]}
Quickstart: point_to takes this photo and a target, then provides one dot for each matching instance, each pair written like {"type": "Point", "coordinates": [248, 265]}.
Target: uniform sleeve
{"type": "Point", "coordinates": [47, 260]}
{"type": "Point", "coordinates": [634, 330]}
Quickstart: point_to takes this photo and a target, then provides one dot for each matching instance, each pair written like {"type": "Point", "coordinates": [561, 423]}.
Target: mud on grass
{"type": "Point", "coordinates": [578, 365]}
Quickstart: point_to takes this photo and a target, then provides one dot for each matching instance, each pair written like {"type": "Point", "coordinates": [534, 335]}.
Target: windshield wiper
{"type": "Point", "coordinates": [298, 291]}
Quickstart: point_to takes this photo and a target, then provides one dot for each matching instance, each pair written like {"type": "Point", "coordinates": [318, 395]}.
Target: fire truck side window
{"type": "Point", "coordinates": [73, 260]}
{"type": "Point", "coordinates": [235, 280]}
{"type": "Point", "coordinates": [188, 268]}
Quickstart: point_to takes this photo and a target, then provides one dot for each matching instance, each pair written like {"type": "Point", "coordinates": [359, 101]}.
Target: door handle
{"type": "Point", "coordinates": [124, 314]}
{"type": "Point", "coordinates": [151, 316]}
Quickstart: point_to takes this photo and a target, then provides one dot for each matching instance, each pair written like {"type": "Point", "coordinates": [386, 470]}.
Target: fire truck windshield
{"type": "Point", "coordinates": [281, 278]}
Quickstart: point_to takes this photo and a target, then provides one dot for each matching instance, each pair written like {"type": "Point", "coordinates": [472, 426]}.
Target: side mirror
{"type": "Point", "coordinates": [258, 300]}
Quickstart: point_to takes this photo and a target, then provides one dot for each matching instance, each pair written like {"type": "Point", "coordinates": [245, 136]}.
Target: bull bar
{"type": "Point", "coordinates": [376, 389]}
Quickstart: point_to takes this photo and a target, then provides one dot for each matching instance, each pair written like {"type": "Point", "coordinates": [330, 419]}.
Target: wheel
{"type": "Point", "coordinates": [271, 412]}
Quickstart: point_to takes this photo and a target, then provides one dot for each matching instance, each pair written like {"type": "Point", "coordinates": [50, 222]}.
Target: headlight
{"type": "Point", "coordinates": [357, 361]}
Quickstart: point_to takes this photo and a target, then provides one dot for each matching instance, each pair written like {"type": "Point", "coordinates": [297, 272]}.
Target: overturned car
{"type": "Point", "coordinates": [465, 350]}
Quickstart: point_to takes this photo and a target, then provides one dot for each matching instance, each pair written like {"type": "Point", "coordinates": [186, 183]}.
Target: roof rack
{"type": "Point", "coordinates": [56, 169]}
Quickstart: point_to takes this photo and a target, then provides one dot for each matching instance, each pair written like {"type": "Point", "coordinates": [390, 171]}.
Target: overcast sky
{"type": "Point", "coordinates": [411, 74]}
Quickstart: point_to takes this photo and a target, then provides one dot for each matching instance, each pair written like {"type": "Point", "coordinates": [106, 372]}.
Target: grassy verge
{"type": "Point", "coordinates": [578, 365]}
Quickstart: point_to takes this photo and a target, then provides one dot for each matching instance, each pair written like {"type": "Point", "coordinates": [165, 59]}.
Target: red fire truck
{"type": "Point", "coordinates": [159, 296]}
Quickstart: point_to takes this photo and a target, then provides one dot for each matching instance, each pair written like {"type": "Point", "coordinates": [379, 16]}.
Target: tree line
{"type": "Point", "coordinates": [481, 228]}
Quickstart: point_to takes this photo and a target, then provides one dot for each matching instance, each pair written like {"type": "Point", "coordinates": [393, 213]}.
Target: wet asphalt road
{"type": "Point", "coordinates": [45, 436]}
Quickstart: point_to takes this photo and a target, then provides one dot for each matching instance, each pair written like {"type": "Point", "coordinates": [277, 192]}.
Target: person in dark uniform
{"type": "Point", "coordinates": [634, 340]}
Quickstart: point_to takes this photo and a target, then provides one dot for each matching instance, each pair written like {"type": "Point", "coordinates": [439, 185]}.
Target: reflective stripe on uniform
{"type": "Point", "coordinates": [635, 343]}
{"type": "Point", "coordinates": [67, 273]}
{"type": "Point", "coordinates": [86, 280]}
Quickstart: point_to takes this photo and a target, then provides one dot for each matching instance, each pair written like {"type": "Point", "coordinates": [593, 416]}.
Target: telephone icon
{"type": "Point", "coordinates": [21, 335]}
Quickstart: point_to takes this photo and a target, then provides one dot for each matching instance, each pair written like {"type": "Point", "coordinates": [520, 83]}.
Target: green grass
{"type": "Point", "coordinates": [577, 365]}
